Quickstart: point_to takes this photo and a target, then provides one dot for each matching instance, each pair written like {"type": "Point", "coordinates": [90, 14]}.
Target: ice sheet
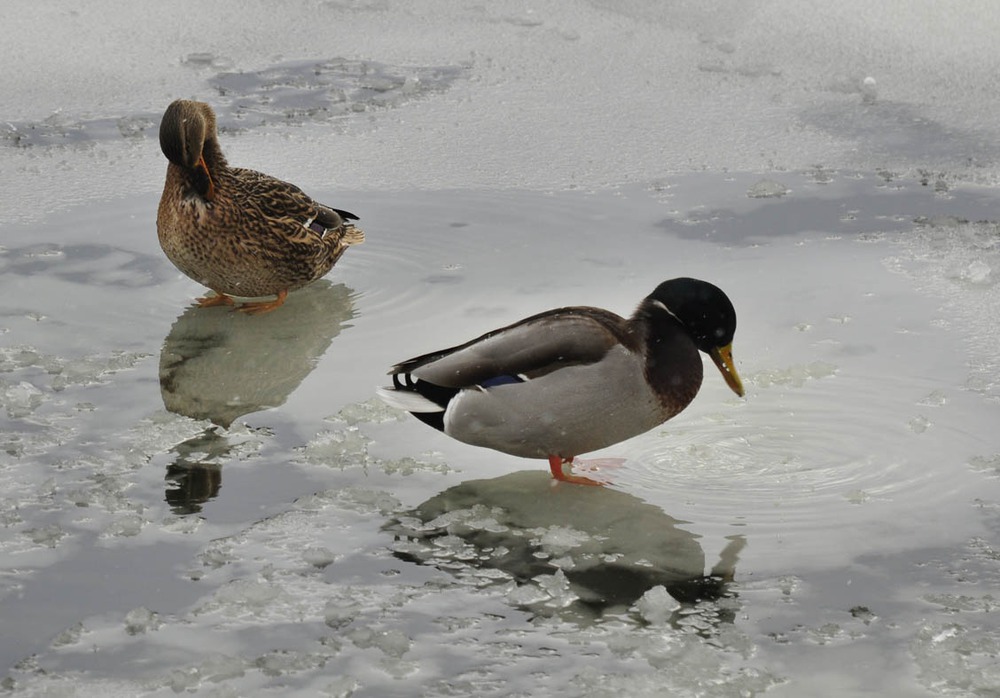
{"type": "Point", "coordinates": [499, 94]}
{"type": "Point", "coordinates": [832, 165]}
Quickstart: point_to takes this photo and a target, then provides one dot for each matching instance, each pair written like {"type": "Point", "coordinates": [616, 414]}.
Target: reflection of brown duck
{"type": "Point", "coordinates": [611, 546]}
{"type": "Point", "coordinates": [219, 366]}
{"type": "Point", "coordinates": [238, 231]}
{"type": "Point", "coordinates": [195, 476]}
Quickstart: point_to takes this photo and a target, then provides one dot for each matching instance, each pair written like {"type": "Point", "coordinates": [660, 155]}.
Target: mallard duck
{"type": "Point", "coordinates": [238, 231]}
{"type": "Point", "coordinates": [573, 380]}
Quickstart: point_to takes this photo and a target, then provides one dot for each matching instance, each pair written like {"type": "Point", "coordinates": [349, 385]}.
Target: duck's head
{"type": "Point", "coordinates": [709, 318]}
{"type": "Point", "coordinates": [185, 130]}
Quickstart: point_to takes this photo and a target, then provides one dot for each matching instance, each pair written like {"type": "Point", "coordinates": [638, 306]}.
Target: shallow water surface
{"type": "Point", "coordinates": [200, 501]}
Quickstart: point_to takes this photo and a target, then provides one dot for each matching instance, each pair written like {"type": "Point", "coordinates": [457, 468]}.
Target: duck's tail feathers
{"type": "Point", "coordinates": [352, 236]}
{"type": "Point", "coordinates": [407, 400]}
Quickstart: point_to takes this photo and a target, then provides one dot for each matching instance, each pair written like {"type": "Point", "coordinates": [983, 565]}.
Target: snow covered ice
{"type": "Point", "coordinates": [202, 502]}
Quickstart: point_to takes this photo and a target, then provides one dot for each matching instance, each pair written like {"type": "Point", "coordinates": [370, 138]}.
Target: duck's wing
{"type": "Point", "coordinates": [527, 349]}
{"type": "Point", "coordinates": [277, 200]}
{"type": "Point", "coordinates": [325, 211]}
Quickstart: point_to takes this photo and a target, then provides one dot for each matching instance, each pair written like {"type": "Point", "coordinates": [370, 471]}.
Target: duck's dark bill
{"type": "Point", "coordinates": [723, 358]}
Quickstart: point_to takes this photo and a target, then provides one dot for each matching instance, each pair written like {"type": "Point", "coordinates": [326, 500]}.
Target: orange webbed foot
{"type": "Point", "coordinates": [217, 299]}
{"type": "Point", "coordinates": [261, 307]}
{"type": "Point", "coordinates": [556, 464]}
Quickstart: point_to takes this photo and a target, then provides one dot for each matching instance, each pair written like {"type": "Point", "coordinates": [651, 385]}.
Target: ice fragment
{"type": "Point", "coordinates": [766, 189]}
{"type": "Point", "coordinates": [657, 606]}
{"type": "Point", "coordinates": [139, 620]}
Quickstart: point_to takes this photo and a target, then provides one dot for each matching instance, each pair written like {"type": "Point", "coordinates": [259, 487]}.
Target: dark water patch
{"type": "Point", "coordinates": [287, 93]}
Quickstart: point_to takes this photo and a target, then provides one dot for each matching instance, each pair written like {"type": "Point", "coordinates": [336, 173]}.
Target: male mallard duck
{"type": "Point", "coordinates": [573, 380]}
{"type": "Point", "coordinates": [237, 231]}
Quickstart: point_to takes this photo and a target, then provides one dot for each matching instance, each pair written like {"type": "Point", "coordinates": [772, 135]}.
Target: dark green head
{"type": "Point", "coordinates": [704, 310]}
{"type": "Point", "coordinates": [708, 316]}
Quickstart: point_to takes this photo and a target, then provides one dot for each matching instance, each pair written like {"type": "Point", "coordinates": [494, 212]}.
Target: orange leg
{"type": "Point", "coordinates": [556, 466]}
{"type": "Point", "coordinates": [217, 299]}
{"type": "Point", "coordinates": [260, 307]}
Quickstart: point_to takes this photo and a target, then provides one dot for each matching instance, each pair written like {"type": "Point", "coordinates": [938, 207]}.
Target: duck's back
{"type": "Point", "coordinates": [253, 239]}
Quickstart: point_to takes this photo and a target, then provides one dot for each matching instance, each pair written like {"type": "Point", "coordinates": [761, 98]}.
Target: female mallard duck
{"type": "Point", "coordinates": [573, 380]}
{"type": "Point", "coordinates": [240, 232]}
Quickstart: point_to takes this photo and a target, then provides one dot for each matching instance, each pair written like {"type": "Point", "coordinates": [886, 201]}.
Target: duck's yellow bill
{"type": "Point", "coordinates": [723, 358]}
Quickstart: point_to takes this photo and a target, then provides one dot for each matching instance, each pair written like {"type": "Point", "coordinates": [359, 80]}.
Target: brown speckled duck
{"type": "Point", "coordinates": [240, 232]}
{"type": "Point", "coordinates": [573, 380]}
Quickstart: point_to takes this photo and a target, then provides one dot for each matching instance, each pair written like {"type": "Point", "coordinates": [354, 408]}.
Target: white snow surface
{"type": "Point", "coordinates": [548, 95]}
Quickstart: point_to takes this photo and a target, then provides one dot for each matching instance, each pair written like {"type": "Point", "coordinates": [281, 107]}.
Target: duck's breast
{"type": "Point", "coordinates": [568, 412]}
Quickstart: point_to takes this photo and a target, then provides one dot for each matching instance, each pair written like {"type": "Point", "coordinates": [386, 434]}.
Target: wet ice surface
{"type": "Point", "coordinates": [844, 514]}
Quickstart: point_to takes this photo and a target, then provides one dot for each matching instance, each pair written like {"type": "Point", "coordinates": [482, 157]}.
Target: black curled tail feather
{"type": "Point", "coordinates": [437, 394]}
{"type": "Point", "coordinates": [346, 215]}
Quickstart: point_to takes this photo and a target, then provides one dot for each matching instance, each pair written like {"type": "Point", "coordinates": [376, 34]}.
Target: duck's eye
{"type": "Point", "coordinates": [719, 331]}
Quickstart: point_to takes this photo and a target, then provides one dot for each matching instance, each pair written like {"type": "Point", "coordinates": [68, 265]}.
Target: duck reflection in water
{"type": "Point", "coordinates": [196, 473]}
{"type": "Point", "coordinates": [611, 547]}
{"type": "Point", "coordinates": [218, 365]}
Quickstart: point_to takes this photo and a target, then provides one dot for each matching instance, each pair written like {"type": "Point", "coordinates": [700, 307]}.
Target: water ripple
{"type": "Point", "coordinates": [798, 456]}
